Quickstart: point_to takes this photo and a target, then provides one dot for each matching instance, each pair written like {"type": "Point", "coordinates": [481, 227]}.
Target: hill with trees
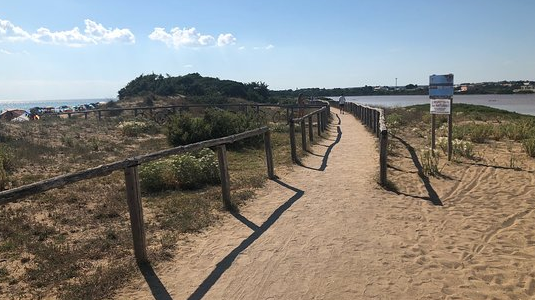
{"type": "Point", "coordinates": [196, 88]}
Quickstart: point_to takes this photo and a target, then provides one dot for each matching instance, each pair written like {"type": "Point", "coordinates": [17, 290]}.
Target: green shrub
{"type": "Point", "coordinates": [215, 123]}
{"type": "Point", "coordinates": [157, 176]}
{"type": "Point", "coordinates": [430, 161]}
{"type": "Point", "coordinates": [477, 133]}
{"type": "Point", "coordinates": [520, 130]}
{"type": "Point", "coordinates": [136, 128]}
{"type": "Point", "coordinates": [185, 129]}
{"type": "Point", "coordinates": [529, 146]}
{"type": "Point", "coordinates": [462, 148]}
{"type": "Point", "coordinates": [187, 171]}
{"type": "Point", "coordinates": [209, 166]}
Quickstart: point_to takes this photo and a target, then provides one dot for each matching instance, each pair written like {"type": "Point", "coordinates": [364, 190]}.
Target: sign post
{"type": "Point", "coordinates": [441, 95]}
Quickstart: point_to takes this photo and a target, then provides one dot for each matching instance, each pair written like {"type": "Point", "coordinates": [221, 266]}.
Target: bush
{"type": "Point", "coordinates": [430, 161]}
{"type": "Point", "coordinates": [187, 171]}
{"type": "Point", "coordinates": [477, 133]}
{"type": "Point", "coordinates": [185, 129]}
{"type": "Point", "coordinates": [215, 123]}
{"type": "Point", "coordinates": [209, 166]}
{"type": "Point", "coordinates": [519, 131]}
{"type": "Point", "coordinates": [462, 148]}
{"type": "Point", "coordinates": [136, 128]}
{"type": "Point", "coordinates": [529, 146]}
{"type": "Point", "coordinates": [157, 176]}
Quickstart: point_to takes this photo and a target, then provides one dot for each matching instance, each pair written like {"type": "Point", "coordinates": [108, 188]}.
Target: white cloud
{"type": "Point", "coordinates": [188, 66]}
{"type": "Point", "coordinates": [98, 33]}
{"type": "Point", "coordinates": [94, 33]}
{"type": "Point", "coordinates": [5, 52]}
{"type": "Point", "coordinates": [268, 47]}
{"type": "Point", "coordinates": [226, 39]}
{"type": "Point", "coordinates": [241, 48]}
{"type": "Point", "coordinates": [189, 37]}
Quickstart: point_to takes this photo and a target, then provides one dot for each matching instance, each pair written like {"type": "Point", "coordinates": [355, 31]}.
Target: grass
{"type": "Point", "coordinates": [75, 242]}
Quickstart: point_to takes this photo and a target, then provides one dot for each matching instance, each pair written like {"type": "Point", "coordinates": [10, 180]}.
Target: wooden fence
{"type": "Point", "coordinates": [374, 119]}
{"type": "Point", "coordinates": [133, 192]}
{"type": "Point", "coordinates": [322, 117]}
{"type": "Point", "coordinates": [130, 165]}
{"type": "Point", "coordinates": [160, 113]}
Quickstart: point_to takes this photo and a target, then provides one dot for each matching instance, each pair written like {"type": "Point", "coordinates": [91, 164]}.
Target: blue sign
{"type": "Point", "coordinates": [441, 86]}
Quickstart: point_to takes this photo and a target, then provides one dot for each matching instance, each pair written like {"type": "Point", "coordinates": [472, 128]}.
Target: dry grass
{"type": "Point", "coordinates": [75, 242]}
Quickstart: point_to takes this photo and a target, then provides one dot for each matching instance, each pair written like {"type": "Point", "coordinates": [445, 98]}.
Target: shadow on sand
{"type": "Point", "coordinates": [158, 290]}
{"type": "Point", "coordinates": [433, 196]}
{"type": "Point", "coordinates": [328, 152]}
{"type": "Point", "coordinates": [226, 262]}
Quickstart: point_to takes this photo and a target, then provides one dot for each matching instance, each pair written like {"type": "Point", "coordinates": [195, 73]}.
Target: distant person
{"type": "Point", "coordinates": [341, 103]}
{"type": "Point", "coordinates": [301, 104]}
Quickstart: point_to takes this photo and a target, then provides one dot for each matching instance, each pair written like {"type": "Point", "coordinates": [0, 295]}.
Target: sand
{"type": "Point", "coordinates": [328, 231]}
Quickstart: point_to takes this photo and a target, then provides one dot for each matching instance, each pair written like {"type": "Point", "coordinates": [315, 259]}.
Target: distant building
{"type": "Point", "coordinates": [526, 87]}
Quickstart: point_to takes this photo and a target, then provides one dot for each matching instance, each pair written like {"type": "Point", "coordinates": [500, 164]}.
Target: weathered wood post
{"type": "Point", "coordinates": [310, 129]}
{"type": "Point", "coordinates": [433, 130]}
{"type": "Point", "coordinates": [303, 134]}
{"type": "Point", "coordinates": [69, 115]}
{"type": "Point", "coordinates": [85, 115]}
{"type": "Point", "coordinates": [383, 156]}
{"type": "Point", "coordinates": [292, 141]}
{"type": "Point", "coordinates": [99, 115]}
{"type": "Point", "coordinates": [135, 112]}
{"type": "Point", "coordinates": [319, 124]}
{"type": "Point", "coordinates": [269, 155]}
{"type": "Point", "coordinates": [225, 178]}
{"type": "Point", "coordinates": [324, 119]}
{"type": "Point", "coordinates": [379, 113]}
{"type": "Point", "coordinates": [135, 208]}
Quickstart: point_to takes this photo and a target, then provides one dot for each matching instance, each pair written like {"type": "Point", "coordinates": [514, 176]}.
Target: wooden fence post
{"type": "Point", "coordinates": [378, 123]}
{"type": "Point", "coordinates": [303, 135]}
{"type": "Point", "coordinates": [310, 130]}
{"type": "Point", "coordinates": [99, 115]}
{"type": "Point", "coordinates": [225, 180]}
{"type": "Point", "coordinates": [323, 121]}
{"type": "Point", "coordinates": [135, 208]}
{"type": "Point", "coordinates": [269, 155]}
{"type": "Point", "coordinates": [319, 124]}
{"type": "Point", "coordinates": [383, 156]}
{"type": "Point", "coordinates": [292, 141]}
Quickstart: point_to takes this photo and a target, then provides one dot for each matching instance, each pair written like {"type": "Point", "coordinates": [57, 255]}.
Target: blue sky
{"type": "Point", "coordinates": [70, 49]}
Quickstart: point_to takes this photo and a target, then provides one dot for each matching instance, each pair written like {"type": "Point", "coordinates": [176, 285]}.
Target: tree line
{"type": "Point", "coordinates": [199, 89]}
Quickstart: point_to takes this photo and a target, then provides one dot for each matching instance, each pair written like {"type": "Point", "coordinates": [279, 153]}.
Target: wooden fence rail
{"type": "Point", "coordinates": [322, 121]}
{"type": "Point", "coordinates": [255, 108]}
{"type": "Point", "coordinates": [374, 119]}
{"type": "Point", "coordinates": [133, 191]}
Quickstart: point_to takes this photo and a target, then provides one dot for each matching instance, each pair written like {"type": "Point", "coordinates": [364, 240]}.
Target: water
{"type": "Point", "coordinates": [520, 103]}
{"type": "Point", "coordinates": [26, 105]}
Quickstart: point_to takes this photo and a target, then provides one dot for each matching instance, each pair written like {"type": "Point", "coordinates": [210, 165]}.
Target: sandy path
{"type": "Point", "coordinates": [332, 233]}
